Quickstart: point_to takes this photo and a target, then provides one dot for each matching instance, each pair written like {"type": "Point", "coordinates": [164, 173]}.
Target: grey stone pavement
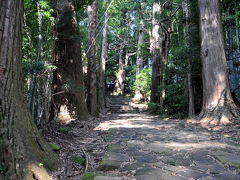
{"type": "Point", "coordinates": [145, 147]}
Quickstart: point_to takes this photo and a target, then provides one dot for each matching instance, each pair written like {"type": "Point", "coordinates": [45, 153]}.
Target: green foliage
{"type": "Point", "coordinates": [130, 78]}
{"type": "Point", "coordinates": [176, 103]}
{"type": "Point", "coordinates": [231, 11]}
{"type": "Point", "coordinates": [88, 176]}
{"type": "Point", "coordinates": [143, 83]}
{"type": "Point", "coordinates": [31, 36]}
{"type": "Point", "coordinates": [36, 67]}
{"type": "Point", "coordinates": [153, 107]}
{"type": "Point", "coordinates": [71, 87]}
{"type": "Point", "coordinates": [175, 77]}
{"type": "Point", "coordinates": [3, 168]}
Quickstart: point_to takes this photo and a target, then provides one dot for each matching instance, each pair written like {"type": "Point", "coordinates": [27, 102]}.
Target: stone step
{"type": "Point", "coordinates": [119, 112]}
{"type": "Point", "coordinates": [113, 105]}
{"type": "Point", "coordinates": [124, 108]}
{"type": "Point", "coordinates": [119, 103]}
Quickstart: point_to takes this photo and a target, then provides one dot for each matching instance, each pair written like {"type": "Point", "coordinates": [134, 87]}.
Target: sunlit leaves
{"type": "Point", "coordinates": [143, 83]}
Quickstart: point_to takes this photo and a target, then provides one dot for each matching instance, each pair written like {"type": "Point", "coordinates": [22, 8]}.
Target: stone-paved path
{"type": "Point", "coordinates": [144, 147]}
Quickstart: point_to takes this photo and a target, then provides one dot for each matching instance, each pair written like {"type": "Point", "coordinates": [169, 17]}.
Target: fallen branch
{"type": "Point", "coordinates": [86, 160]}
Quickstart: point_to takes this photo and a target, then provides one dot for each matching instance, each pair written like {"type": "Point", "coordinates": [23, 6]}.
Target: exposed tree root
{"type": "Point", "coordinates": [86, 160]}
{"type": "Point", "coordinates": [219, 116]}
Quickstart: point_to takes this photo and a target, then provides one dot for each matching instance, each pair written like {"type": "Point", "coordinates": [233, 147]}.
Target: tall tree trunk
{"type": "Point", "coordinates": [36, 85]}
{"type": "Point", "coordinates": [69, 90]}
{"type": "Point", "coordinates": [123, 63]}
{"type": "Point", "coordinates": [138, 96]}
{"type": "Point", "coordinates": [92, 61]}
{"type": "Point", "coordinates": [139, 50]}
{"type": "Point", "coordinates": [156, 50]}
{"type": "Point", "coordinates": [40, 79]}
{"type": "Point", "coordinates": [40, 38]}
{"type": "Point", "coordinates": [21, 147]}
{"type": "Point", "coordinates": [119, 88]}
{"type": "Point", "coordinates": [165, 36]}
{"type": "Point", "coordinates": [191, 108]}
{"type": "Point", "coordinates": [159, 49]}
{"type": "Point", "coordinates": [218, 106]}
{"type": "Point", "coordinates": [237, 32]}
{"type": "Point", "coordinates": [101, 92]}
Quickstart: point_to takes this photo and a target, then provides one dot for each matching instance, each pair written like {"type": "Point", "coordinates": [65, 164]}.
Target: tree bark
{"type": "Point", "coordinates": [92, 61]}
{"type": "Point", "coordinates": [156, 50]}
{"type": "Point", "coordinates": [101, 92]}
{"type": "Point", "coordinates": [191, 107]}
{"type": "Point", "coordinates": [237, 33]}
{"type": "Point", "coordinates": [119, 88]}
{"type": "Point", "coordinates": [139, 50]}
{"type": "Point", "coordinates": [39, 78]}
{"type": "Point", "coordinates": [218, 106]}
{"type": "Point", "coordinates": [159, 49]}
{"type": "Point", "coordinates": [165, 43]}
{"type": "Point", "coordinates": [138, 96]}
{"type": "Point", "coordinates": [21, 145]}
{"type": "Point", "coordinates": [69, 91]}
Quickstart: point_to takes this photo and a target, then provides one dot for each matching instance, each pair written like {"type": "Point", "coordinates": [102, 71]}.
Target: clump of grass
{"type": "Point", "coordinates": [88, 176]}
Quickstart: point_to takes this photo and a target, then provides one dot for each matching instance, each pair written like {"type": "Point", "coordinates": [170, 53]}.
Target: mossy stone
{"type": "Point", "coordinates": [64, 130]}
{"type": "Point", "coordinates": [88, 176]}
{"type": "Point", "coordinates": [78, 159]}
{"type": "Point", "coordinates": [55, 147]}
{"type": "Point", "coordinates": [227, 158]}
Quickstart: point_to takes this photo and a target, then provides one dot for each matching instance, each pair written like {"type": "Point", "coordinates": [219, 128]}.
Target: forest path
{"type": "Point", "coordinates": [144, 147]}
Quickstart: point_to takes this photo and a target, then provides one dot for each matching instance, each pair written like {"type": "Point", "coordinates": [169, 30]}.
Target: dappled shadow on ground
{"type": "Point", "coordinates": [145, 147]}
{"type": "Point", "coordinates": [140, 146]}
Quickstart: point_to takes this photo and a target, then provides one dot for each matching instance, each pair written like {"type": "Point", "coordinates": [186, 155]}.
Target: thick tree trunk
{"type": "Point", "coordinates": [165, 42]}
{"type": "Point", "coordinates": [92, 61]}
{"type": "Point", "coordinates": [156, 50]}
{"type": "Point", "coordinates": [69, 99]}
{"type": "Point", "coordinates": [159, 49]}
{"type": "Point", "coordinates": [21, 146]}
{"type": "Point", "coordinates": [101, 92]}
{"type": "Point", "coordinates": [186, 9]}
{"type": "Point", "coordinates": [119, 88]}
{"type": "Point", "coordinates": [121, 76]}
{"type": "Point", "coordinates": [218, 106]}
